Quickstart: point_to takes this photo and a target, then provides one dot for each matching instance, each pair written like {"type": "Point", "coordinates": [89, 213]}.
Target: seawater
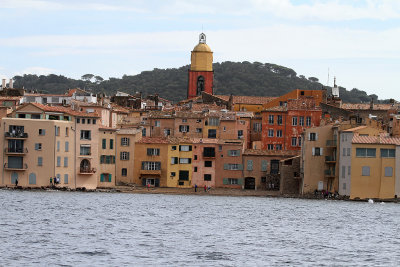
{"type": "Point", "coordinates": [114, 229]}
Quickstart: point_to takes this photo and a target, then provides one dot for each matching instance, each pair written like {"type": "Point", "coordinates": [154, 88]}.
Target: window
{"type": "Point", "coordinates": [279, 133]}
{"type": "Point", "coordinates": [366, 152]}
{"type": "Point", "coordinates": [195, 169]}
{"type": "Point", "coordinates": [42, 132]}
{"type": "Point", "coordinates": [388, 171]}
{"type": "Point", "coordinates": [185, 148]}
{"type": "Point", "coordinates": [173, 174]}
{"type": "Point", "coordinates": [348, 170]}
{"type": "Point", "coordinates": [144, 132]}
{"type": "Point", "coordinates": [279, 119]}
{"type": "Point", "coordinates": [104, 143]}
{"type": "Point", "coordinates": [38, 146]}
{"type": "Point", "coordinates": [88, 121]}
{"type": "Point", "coordinates": [58, 161]}
{"type": "Point", "coordinates": [184, 120]}
{"type": "Point", "coordinates": [157, 123]}
{"type": "Point", "coordinates": [278, 146]}
{"type": "Point", "coordinates": [264, 165]}
{"type": "Point", "coordinates": [207, 163]}
{"type": "Point", "coordinates": [198, 120]}
{"type": "Point", "coordinates": [270, 119]}
{"type": "Point", "coordinates": [301, 121]}
{"type": "Point", "coordinates": [167, 132]}
{"type": "Point", "coordinates": [199, 130]}
{"type": "Point", "coordinates": [294, 141]}
{"type": "Point", "coordinates": [185, 160]}
{"type": "Point", "coordinates": [124, 172]}
{"type": "Point", "coordinates": [174, 160]}
{"type": "Point", "coordinates": [83, 121]}
{"type": "Point", "coordinates": [270, 147]}
{"type": "Point", "coordinates": [111, 143]}
{"type": "Point", "coordinates": [348, 151]}
{"type": "Point", "coordinates": [65, 161]}
{"type": "Point", "coordinates": [308, 121]}
{"type": "Point", "coordinates": [78, 120]}
{"type": "Point", "coordinates": [317, 151]}
{"type": "Point", "coordinates": [233, 166]}
{"type": "Point", "coordinates": [343, 171]}
{"type": "Point", "coordinates": [66, 146]}
{"type": "Point", "coordinates": [344, 186]}
{"type": "Point", "coordinates": [124, 141]}
{"type": "Point", "coordinates": [57, 129]}
{"type": "Point", "coordinates": [257, 127]}
{"type": "Point", "coordinates": [365, 170]}
{"type": "Point", "coordinates": [234, 153]}
{"type": "Point", "coordinates": [195, 157]}
{"type": "Point", "coordinates": [124, 155]}
{"type": "Point", "coordinates": [207, 177]}
{"type": "Point", "coordinates": [213, 121]}
{"type": "Point", "coordinates": [85, 150]}
{"type": "Point", "coordinates": [299, 141]}
{"type": "Point", "coordinates": [212, 133]}
{"type": "Point", "coordinates": [58, 146]}
{"type": "Point", "coordinates": [220, 148]}
{"type": "Point", "coordinates": [40, 161]}
{"type": "Point", "coordinates": [388, 153]}
{"type": "Point", "coordinates": [224, 129]}
{"type": "Point", "coordinates": [85, 135]}
{"type": "Point", "coordinates": [66, 131]}
{"type": "Point", "coordinates": [94, 122]}
{"type": "Point", "coordinates": [270, 133]}
{"type": "Point", "coordinates": [240, 134]}
{"type": "Point", "coordinates": [153, 152]}
{"type": "Point", "coordinates": [231, 181]}
{"type": "Point", "coordinates": [184, 128]}
{"type": "Point", "coordinates": [209, 152]}
{"type": "Point", "coordinates": [249, 165]}
{"type": "Point", "coordinates": [294, 121]}
{"type": "Point", "coordinates": [312, 136]}
{"type": "Point", "coordinates": [151, 165]}
{"type": "Point", "coordinates": [184, 175]}
{"type": "Point", "coordinates": [65, 178]}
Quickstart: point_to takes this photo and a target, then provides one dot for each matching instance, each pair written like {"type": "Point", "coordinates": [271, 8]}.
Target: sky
{"type": "Point", "coordinates": [356, 41]}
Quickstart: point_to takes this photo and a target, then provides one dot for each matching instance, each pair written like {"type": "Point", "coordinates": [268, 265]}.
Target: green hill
{"type": "Point", "coordinates": [238, 78]}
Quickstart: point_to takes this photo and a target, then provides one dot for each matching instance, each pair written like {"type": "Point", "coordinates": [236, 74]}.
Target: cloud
{"type": "Point", "coordinates": [36, 70]}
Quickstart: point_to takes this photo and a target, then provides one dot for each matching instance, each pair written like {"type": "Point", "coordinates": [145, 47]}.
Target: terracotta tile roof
{"type": "Point", "coordinates": [61, 109]}
{"type": "Point", "coordinates": [366, 106]}
{"type": "Point", "coordinates": [357, 139]}
{"type": "Point", "coordinates": [355, 129]}
{"type": "Point", "coordinates": [276, 109]}
{"type": "Point", "coordinates": [205, 141]}
{"type": "Point", "coordinates": [259, 152]}
{"type": "Point", "coordinates": [153, 140]}
{"type": "Point", "coordinates": [105, 128]}
{"type": "Point", "coordinates": [255, 100]}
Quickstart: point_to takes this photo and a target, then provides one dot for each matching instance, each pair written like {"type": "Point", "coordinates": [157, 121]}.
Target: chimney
{"type": "Point", "coordinates": [10, 84]}
{"type": "Point", "coordinates": [3, 84]}
{"type": "Point", "coordinates": [371, 104]}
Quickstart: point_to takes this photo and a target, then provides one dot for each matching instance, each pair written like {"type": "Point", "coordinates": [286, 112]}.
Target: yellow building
{"type": "Point", "coordinates": [179, 170]}
{"type": "Point", "coordinates": [373, 167]}
{"type": "Point", "coordinates": [107, 166]}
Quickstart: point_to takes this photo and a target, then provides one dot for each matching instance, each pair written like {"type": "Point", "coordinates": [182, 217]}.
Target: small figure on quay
{"type": "Point", "coordinates": [148, 186]}
{"type": "Point", "coordinates": [51, 181]}
{"type": "Point", "coordinates": [205, 188]}
{"type": "Point", "coordinates": [16, 182]}
{"type": "Point", "coordinates": [195, 188]}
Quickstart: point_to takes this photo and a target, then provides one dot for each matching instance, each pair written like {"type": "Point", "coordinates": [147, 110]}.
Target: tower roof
{"type": "Point", "coordinates": [202, 47]}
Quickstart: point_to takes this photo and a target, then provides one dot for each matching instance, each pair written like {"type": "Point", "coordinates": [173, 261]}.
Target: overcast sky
{"type": "Point", "coordinates": [358, 41]}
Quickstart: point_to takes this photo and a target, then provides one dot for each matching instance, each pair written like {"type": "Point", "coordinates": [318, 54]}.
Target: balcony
{"type": "Point", "coordinates": [331, 143]}
{"type": "Point", "coordinates": [88, 171]}
{"type": "Point", "coordinates": [209, 155]}
{"type": "Point", "coordinates": [153, 172]}
{"type": "Point", "coordinates": [13, 135]}
{"type": "Point", "coordinates": [16, 151]}
{"type": "Point", "coordinates": [15, 167]}
{"type": "Point", "coordinates": [329, 173]}
{"type": "Point", "coordinates": [330, 159]}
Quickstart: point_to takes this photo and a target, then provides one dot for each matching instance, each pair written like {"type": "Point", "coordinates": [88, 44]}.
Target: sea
{"type": "Point", "coordinates": [40, 228]}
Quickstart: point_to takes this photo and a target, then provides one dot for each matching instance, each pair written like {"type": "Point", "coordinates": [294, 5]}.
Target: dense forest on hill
{"type": "Point", "coordinates": [237, 78]}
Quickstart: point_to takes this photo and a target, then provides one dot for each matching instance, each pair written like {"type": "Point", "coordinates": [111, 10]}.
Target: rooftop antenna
{"type": "Point", "coordinates": [327, 83]}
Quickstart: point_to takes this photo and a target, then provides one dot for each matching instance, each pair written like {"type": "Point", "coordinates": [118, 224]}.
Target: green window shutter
{"type": "Point", "coordinates": [249, 165]}
{"type": "Point", "coordinates": [229, 152]}
{"type": "Point", "coordinates": [127, 155]}
{"type": "Point", "coordinates": [225, 181]}
{"type": "Point", "coordinates": [102, 177]}
{"type": "Point", "coordinates": [238, 153]}
{"type": "Point", "coordinates": [264, 165]}
{"type": "Point", "coordinates": [109, 177]}
{"type": "Point", "coordinates": [111, 143]}
{"type": "Point", "coordinates": [240, 181]}
{"type": "Point", "coordinates": [241, 167]}
{"type": "Point", "coordinates": [104, 143]}
{"type": "Point", "coordinates": [120, 155]}
{"type": "Point", "coordinates": [225, 166]}
{"type": "Point", "coordinates": [190, 148]}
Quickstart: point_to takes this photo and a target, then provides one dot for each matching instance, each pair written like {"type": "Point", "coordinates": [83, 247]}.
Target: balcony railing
{"type": "Point", "coordinates": [87, 170]}
{"type": "Point", "coordinates": [15, 135]}
{"type": "Point", "coordinates": [16, 150]}
{"type": "Point", "coordinates": [15, 166]}
{"type": "Point", "coordinates": [331, 143]}
{"type": "Point", "coordinates": [330, 159]}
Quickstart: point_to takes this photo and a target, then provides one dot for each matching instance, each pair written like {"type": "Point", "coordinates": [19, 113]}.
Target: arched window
{"type": "Point", "coordinates": [85, 166]}
{"type": "Point", "coordinates": [32, 178]}
{"type": "Point", "coordinates": [200, 85]}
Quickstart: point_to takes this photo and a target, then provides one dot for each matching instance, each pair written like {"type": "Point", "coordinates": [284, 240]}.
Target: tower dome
{"type": "Point", "coordinates": [202, 56]}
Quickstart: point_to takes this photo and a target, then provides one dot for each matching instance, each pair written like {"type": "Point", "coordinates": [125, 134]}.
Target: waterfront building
{"type": "Point", "coordinates": [179, 163]}
{"type": "Point", "coordinates": [107, 154]}
{"type": "Point", "coordinates": [204, 161]}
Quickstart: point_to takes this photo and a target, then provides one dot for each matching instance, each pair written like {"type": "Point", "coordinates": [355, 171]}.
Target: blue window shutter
{"type": "Point", "coordinates": [65, 161]}
{"type": "Point", "coordinates": [65, 178]}
{"type": "Point", "coordinates": [66, 146]}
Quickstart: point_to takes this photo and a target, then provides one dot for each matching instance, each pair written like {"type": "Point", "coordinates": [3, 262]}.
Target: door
{"type": "Point", "coordinates": [250, 183]}
{"type": "Point", "coordinates": [14, 177]}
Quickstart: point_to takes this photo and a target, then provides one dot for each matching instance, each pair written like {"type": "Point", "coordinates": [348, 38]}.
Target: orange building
{"type": "Point", "coordinates": [282, 126]}
{"type": "Point", "coordinates": [318, 96]}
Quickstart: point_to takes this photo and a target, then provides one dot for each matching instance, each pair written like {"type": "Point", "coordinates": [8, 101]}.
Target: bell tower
{"type": "Point", "coordinates": [201, 74]}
